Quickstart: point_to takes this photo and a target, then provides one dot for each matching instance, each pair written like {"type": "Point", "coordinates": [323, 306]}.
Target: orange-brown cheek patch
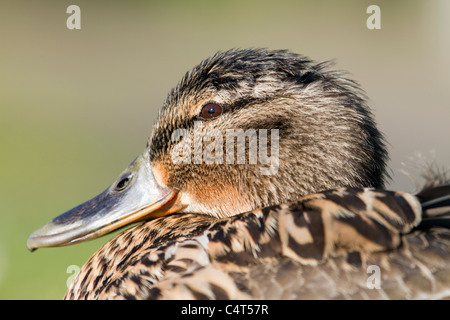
{"type": "Point", "coordinates": [220, 201]}
{"type": "Point", "coordinates": [161, 174]}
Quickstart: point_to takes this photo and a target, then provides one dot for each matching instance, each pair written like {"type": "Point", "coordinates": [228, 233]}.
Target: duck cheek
{"type": "Point", "coordinates": [211, 200]}
{"type": "Point", "coordinates": [160, 173]}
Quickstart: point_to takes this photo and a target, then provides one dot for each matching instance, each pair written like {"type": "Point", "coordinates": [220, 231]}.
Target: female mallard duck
{"type": "Point", "coordinates": [230, 181]}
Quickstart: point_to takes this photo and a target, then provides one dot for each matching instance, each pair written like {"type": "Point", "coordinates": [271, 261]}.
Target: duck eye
{"type": "Point", "coordinates": [210, 111]}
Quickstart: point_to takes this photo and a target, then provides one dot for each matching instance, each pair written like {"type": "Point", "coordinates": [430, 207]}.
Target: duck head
{"type": "Point", "coordinates": [244, 129]}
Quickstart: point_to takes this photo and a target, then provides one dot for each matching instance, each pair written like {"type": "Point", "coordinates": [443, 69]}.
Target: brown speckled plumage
{"type": "Point", "coordinates": [319, 247]}
{"type": "Point", "coordinates": [328, 137]}
{"type": "Point", "coordinates": [241, 234]}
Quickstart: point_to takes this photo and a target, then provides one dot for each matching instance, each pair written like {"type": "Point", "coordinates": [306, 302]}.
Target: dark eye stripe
{"type": "Point", "coordinates": [211, 111]}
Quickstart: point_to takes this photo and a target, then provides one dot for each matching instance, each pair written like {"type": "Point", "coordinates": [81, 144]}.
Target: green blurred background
{"type": "Point", "coordinates": [76, 106]}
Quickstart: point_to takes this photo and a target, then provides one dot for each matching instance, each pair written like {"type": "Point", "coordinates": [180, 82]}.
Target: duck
{"type": "Point", "coordinates": [263, 178]}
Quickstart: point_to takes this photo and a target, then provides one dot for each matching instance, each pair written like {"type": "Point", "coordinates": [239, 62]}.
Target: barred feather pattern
{"type": "Point", "coordinates": [323, 246]}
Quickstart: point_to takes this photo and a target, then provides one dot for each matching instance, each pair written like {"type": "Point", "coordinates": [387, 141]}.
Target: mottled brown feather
{"type": "Point", "coordinates": [312, 248]}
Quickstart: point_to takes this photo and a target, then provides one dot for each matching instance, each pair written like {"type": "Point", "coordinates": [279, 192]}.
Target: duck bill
{"type": "Point", "coordinates": [134, 196]}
